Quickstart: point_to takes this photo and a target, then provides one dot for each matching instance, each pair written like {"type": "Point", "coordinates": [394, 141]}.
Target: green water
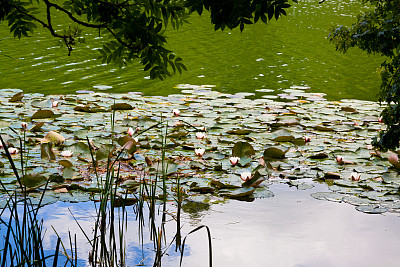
{"type": "Point", "coordinates": [292, 51]}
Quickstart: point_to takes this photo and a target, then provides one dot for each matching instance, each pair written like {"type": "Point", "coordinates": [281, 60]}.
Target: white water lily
{"type": "Point", "coordinates": [13, 150]}
{"type": "Point", "coordinates": [199, 151]}
{"type": "Point", "coordinates": [66, 153]}
{"type": "Point", "coordinates": [130, 131]}
{"type": "Point", "coordinates": [176, 112]}
{"type": "Point", "coordinates": [355, 176]}
{"type": "Point", "coordinates": [245, 176]}
{"type": "Point", "coordinates": [339, 160]}
{"type": "Point", "coordinates": [234, 160]}
{"type": "Point", "coordinates": [136, 139]}
{"type": "Point", "coordinates": [200, 135]}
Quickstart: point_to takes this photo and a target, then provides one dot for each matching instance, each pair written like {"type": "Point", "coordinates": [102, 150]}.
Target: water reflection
{"type": "Point", "coordinates": [292, 51]}
{"type": "Point", "coordinates": [290, 229]}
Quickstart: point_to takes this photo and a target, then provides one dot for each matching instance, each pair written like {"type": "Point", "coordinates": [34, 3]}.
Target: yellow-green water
{"type": "Point", "coordinates": [292, 51]}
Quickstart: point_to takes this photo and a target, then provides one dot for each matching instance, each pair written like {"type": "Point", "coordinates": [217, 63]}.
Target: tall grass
{"type": "Point", "coordinates": [23, 242]}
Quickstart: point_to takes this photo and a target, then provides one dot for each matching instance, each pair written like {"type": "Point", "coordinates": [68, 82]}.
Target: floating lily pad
{"type": "Point", "coordinates": [33, 180]}
{"type": "Point", "coordinates": [17, 97]}
{"type": "Point", "coordinates": [371, 209]}
{"type": "Point", "coordinates": [42, 114]}
{"type": "Point", "coordinates": [274, 153]}
{"type": "Point", "coordinates": [241, 149]}
{"type": "Point", "coordinates": [121, 106]}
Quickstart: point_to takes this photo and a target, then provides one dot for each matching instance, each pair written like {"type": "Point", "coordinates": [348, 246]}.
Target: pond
{"type": "Point", "coordinates": [291, 51]}
{"type": "Point", "coordinates": [291, 229]}
{"type": "Point", "coordinates": [269, 96]}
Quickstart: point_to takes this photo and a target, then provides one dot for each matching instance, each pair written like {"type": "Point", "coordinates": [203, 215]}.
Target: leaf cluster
{"type": "Point", "coordinates": [135, 28]}
{"type": "Point", "coordinates": [378, 32]}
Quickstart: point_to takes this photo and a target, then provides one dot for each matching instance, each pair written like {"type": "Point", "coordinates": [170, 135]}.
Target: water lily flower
{"type": "Point", "coordinates": [339, 160]}
{"type": "Point", "coordinates": [130, 131]}
{"type": "Point", "coordinates": [54, 103]}
{"type": "Point", "coordinates": [355, 176]}
{"type": "Point", "coordinates": [394, 160]}
{"type": "Point", "coordinates": [176, 112]}
{"type": "Point", "coordinates": [24, 125]}
{"type": "Point", "coordinates": [200, 135]}
{"type": "Point", "coordinates": [66, 153]}
{"type": "Point", "coordinates": [234, 160]}
{"type": "Point", "coordinates": [13, 150]}
{"type": "Point", "coordinates": [378, 179]}
{"type": "Point", "coordinates": [199, 151]}
{"type": "Point", "coordinates": [136, 139]}
{"type": "Point", "coordinates": [307, 139]}
{"type": "Point", "coordinates": [245, 176]}
{"type": "Point", "coordinates": [380, 119]}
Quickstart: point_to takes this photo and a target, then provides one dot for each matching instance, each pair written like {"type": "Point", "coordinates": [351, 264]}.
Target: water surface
{"type": "Point", "coordinates": [292, 51]}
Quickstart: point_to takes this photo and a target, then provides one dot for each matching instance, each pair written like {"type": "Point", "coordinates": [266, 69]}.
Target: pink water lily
{"type": "Point", "coordinates": [13, 150]}
{"type": "Point", "coordinates": [355, 176]}
{"type": "Point", "coordinates": [307, 139]}
{"type": "Point", "coordinates": [54, 103]}
{"type": "Point", "coordinates": [199, 151]}
{"type": "Point", "coordinates": [394, 160]}
{"type": "Point", "coordinates": [24, 125]}
{"type": "Point", "coordinates": [176, 112]}
{"type": "Point", "coordinates": [200, 135]}
{"type": "Point", "coordinates": [339, 160]}
{"type": "Point", "coordinates": [245, 176]}
{"type": "Point", "coordinates": [66, 153]}
{"type": "Point", "coordinates": [234, 160]}
{"type": "Point", "coordinates": [130, 131]}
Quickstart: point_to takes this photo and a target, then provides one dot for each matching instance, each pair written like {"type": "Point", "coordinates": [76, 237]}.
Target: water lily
{"type": "Point", "coordinates": [234, 160]}
{"type": "Point", "coordinates": [136, 139]}
{"type": "Point", "coordinates": [245, 176]}
{"type": "Point", "coordinates": [54, 103]}
{"type": "Point", "coordinates": [13, 150]}
{"type": "Point", "coordinates": [24, 125]}
{"type": "Point", "coordinates": [199, 151]}
{"type": "Point", "coordinates": [355, 176]}
{"type": "Point", "coordinates": [130, 131]}
{"type": "Point", "coordinates": [307, 139]}
{"type": "Point", "coordinates": [66, 153]}
{"type": "Point", "coordinates": [176, 112]}
{"type": "Point", "coordinates": [200, 135]}
{"type": "Point", "coordinates": [394, 160]}
{"type": "Point", "coordinates": [380, 119]}
{"type": "Point", "coordinates": [339, 160]}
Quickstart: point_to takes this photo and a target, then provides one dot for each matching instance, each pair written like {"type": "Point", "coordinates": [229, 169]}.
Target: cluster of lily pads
{"type": "Point", "coordinates": [219, 145]}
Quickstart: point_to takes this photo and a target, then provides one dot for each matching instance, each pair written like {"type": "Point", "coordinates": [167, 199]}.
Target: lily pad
{"type": "Point", "coordinates": [17, 97]}
{"type": "Point", "coordinates": [241, 149]}
{"type": "Point", "coordinates": [121, 106]}
{"type": "Point", "coordinates": [42, 114]}
{"type": "Point", "coordinates": [33, 180]}
{"type": "Point", "coordinates": [274, 153]}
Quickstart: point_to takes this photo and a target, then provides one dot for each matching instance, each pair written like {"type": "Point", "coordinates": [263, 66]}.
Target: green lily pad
{"type": "Point", "coordinates": [46, 151]}
{"type": "Point", "coordinates": [371, 209]}
{"type": "Point", "coordinates": [42, 114]}
{"type": "Point", "coordinates": [241, 149]}
{"type": "Point", "coordinates": [54, 137]}
{"type": "Point", "coordinates": [240, 131]}
{"type": "Point", "coordinates": [274, 153]}
{"type": "Point", "coordinates": [17, 97]}
{"type": "Point", "coordinates": [33, 180]}
{"type": "Point", "coordinates": [121, 106]}
{"type": "Point", "coordinates": [240, 193]}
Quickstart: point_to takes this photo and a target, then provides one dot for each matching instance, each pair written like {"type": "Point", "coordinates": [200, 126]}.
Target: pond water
{"type": "Point", "coordinates": [292, 51]}
{"type": "Point", "coordinates": [290, 229]}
